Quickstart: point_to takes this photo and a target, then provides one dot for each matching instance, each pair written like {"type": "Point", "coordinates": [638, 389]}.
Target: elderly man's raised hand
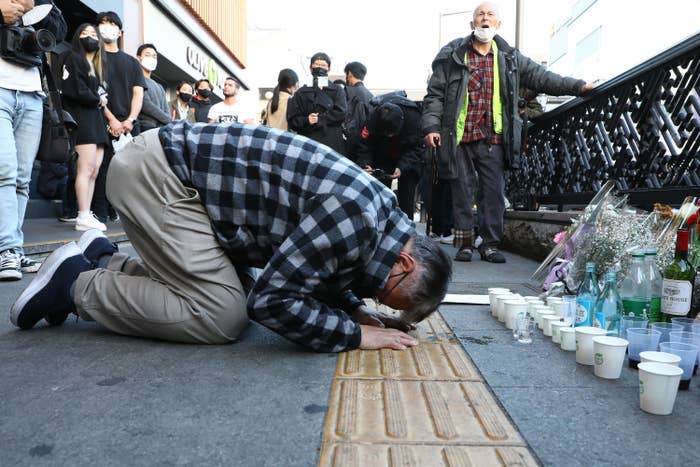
{"type": "Point", "coordinates": [385, 338]}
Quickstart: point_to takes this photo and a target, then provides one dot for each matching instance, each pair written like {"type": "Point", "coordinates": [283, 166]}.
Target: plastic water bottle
{"type": "Point", "coordinates": [608, 307]}
{"type": "Point", "coordinates": [587, 296]}
{"type": "Point", "coordinates": [634, 289]}
{"type": "Point", "coordinates": [655, 285]}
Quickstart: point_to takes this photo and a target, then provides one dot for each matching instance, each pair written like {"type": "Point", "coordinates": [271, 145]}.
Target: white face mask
{"type": "Point", "coordinates": [109, 33]}
{"type": "Point", "coordinates": [149, 63]}
{"type": "Point", "coordinates": [484, 34]}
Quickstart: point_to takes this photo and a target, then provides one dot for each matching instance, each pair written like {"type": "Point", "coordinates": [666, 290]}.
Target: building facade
{"type": "Point", "coordinates": [195, 38]}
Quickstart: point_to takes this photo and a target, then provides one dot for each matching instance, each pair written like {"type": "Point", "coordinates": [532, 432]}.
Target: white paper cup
{"type": "Point", "coordinates": [660, 357]}
{"type": "Point", "coordinates": [511, 308]}
{"type": "Point", "coordinates": [658, 387]}
{"type": "Point", "coordinates": [568, 339]}
{"type": "Point", "coordinates": [552, 300]}
{"type": "Point", "coordinates": [492, 299]}
{"type": "Point", "coordinates": [499, 305]}
{"type": "Point", "coordinates": [559, 308]}
{"type": "Point", "coordinates": [547, 321]}
{"type": "Point", "coordinates": [556, 328]}
{"type": "Point", "coordinates": [608, 356]}
{"type": "Point", "coordinates": [584, 343]}
{"type": "Point", "coordinates": [539, 311]}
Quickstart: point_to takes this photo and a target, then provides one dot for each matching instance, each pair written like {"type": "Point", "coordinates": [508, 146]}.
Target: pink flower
{"type": "Point", "coordinates": [559, 237]}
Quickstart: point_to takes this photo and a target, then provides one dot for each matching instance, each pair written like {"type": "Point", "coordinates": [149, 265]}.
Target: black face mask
{"type": "Point", "coordinates": [184, 96]}
{"type": "Point", "coordinates": [205, 93]}
{"type": "Point", "coordinates": [318, 71]}
{"type": "Point", "coordinates": [90, 44]}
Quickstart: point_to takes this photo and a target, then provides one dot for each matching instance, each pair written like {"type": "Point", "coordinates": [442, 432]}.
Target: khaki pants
{"type": "Point", "coordinates": [187, 289]}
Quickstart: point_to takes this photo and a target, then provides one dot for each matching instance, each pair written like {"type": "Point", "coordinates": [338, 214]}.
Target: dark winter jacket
{"type": "Point", "coordinates": [358, 98]}
{"type": "Point", "coordinates": [447, 89]}
{"type": "Point", "coordinates": [329, 102]}
{"type": "Point", "coordinates": [404, 150]}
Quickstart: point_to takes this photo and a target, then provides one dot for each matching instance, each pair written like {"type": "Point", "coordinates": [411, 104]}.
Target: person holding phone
{"type": "Point", "coordinates": [84, 96]}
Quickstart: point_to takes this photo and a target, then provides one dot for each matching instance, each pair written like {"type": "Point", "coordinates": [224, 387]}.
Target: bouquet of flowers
{"type": "Point", "coordinates": [605, 233]}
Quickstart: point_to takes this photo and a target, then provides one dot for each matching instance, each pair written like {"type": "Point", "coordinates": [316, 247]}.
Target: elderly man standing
{"type": "Point", "coordinates": [470, 112]}
{"type": "Point", "coordinates": [202, 203]}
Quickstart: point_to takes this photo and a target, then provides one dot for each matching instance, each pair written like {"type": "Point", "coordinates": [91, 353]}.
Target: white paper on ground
{"type": "Point", "coordinates": [466, 299]}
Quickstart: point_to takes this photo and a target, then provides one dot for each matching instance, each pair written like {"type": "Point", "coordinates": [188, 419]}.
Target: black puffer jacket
{"type": "Point", "coordinates": [446, 93]}
{"type": "Point", "coordinates": [404, 150]}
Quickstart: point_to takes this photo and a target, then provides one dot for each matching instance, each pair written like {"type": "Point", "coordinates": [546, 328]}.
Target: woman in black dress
{"type": "Point", "coordinates": [83, 95]}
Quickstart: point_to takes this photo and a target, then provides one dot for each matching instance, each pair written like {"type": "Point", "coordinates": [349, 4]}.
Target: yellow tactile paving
{"type": "Point", "coordinates": [423, 406]}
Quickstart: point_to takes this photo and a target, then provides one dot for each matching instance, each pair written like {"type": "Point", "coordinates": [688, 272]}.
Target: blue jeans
{"type": "Point", "coordinates": [20, 131]}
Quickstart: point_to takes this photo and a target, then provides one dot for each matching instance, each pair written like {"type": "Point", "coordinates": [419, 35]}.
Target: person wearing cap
{"type": "Point", "coordinates": [391, 142]}
{"type": "Point", "coordinates": [318, 111]}
{"type": "Point", "coordinates": [125, 86]}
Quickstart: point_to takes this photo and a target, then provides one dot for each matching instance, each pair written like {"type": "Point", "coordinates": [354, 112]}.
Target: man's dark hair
{"type": "Point", "coordinates": [203, 80]}
{"type": "Point", "coordinates": [386, 120]}
{"type": "Point", "coordinates": [357, 69]}
{"type": "Point", "coordinates": [320, 56]}
{"type": "Point", "coordinates": [430, 286]}
{"type": "Point", "coordinates": [110, 16]}
{"type": "Point", "coordinates": [232, 79]}
{"type": "Point", "coordinates": [143, 47]}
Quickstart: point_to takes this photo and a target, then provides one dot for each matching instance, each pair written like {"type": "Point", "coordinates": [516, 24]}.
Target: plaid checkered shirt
{"type": "Point", "coordinates": [325, 232]}
{"type": "Point", "coordinates": [479, 121]}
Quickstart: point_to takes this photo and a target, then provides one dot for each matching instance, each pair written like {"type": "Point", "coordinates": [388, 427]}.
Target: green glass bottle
{"type": "Point", "coordinates": [679, 277]}
{"type": "Point", "coordinates": [655, 285]}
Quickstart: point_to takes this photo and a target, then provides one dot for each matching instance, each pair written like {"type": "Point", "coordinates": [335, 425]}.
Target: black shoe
{"type": "Point", "coordinates": [492, 255]}
{"type": "Point", "coordinates": [94, 244]}
{"type": "Point", "coordinates": [50, 290]}
{"type": "Point", "coordinates": [464, 254]}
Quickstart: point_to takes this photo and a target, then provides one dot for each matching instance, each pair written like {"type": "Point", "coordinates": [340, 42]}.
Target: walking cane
{"type": "Point", "coordinates": [433, 183]}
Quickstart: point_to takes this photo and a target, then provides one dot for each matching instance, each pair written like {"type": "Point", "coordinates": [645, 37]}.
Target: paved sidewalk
{"type": "Point", "coordinates": [78, 395]}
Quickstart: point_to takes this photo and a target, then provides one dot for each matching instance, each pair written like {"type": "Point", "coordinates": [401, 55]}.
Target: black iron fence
{"type": "Point", "coordinates": [641, 129]}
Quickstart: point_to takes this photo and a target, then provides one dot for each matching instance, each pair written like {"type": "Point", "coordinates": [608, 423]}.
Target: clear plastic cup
{"type": "Point", "coordinates": [524, 327]}
{"type": "Point", "coordinates": [687, 323]}
{"type": "Point", "coordinates": [665, 329]}
{"type": "Point", "coordinates": [631, 322]}
{"type": "Point", "coordinates": [688, 354]}
{"type": "Point", "coordinates": [641, 339]}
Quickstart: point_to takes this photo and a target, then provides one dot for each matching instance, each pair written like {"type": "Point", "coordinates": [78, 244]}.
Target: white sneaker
{"type": "Point", "coordinates": [89, 222]}
{"type": "Point", "coordinates": [447, 239]}
{"type": "Point", "coordinates": [10, 268]}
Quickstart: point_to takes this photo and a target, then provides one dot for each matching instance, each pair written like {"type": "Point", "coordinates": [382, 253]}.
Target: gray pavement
{"type": "Point", "coordinates": [78, 395]}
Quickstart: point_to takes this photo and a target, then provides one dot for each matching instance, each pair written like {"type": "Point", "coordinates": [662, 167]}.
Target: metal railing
{"type": "Point", "coordinates": [641, 130]}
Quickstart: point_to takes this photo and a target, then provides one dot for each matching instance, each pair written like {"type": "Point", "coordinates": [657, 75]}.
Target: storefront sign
{"type": "Point", "coordinates": [206, 66]}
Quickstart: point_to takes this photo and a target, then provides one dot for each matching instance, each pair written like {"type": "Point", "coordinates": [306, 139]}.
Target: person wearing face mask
{"type": "Point", "coordinates": [126, 84]}
{"type": "Point", "coordinates": [318, 111]}
{"type": "Point", "coordinates": [180, 106]}
{"type": "Point", "coordinates": [83, 96]}
{"type": "Point", "coordinates": [470, 112]}
{"type": "Point", "coordinates": [155, 111]}
{"type": "Point", "coordinates": [201, 102]}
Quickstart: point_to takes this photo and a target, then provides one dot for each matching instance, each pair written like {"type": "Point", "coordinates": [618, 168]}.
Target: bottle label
{"type": "Point", "coordinates": [635, 306]}
{"type": "Point", "coordinates": [583, 312]}
{"type": "Point", "coordinates": [675, 299]}
{"type": "Point", "coordinates": [600, 320]}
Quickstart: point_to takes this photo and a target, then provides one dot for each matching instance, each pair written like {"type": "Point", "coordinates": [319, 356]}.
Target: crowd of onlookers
{"type": "Point", "coordinates": [113, 97]}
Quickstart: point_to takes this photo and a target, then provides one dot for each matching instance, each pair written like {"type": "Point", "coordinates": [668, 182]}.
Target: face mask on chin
{"type": "Point", "coordinates": [109, 33]}
{"type": "Point", "coordinates": [484, 34]}
{"type": "Point", "coordinates": [149, 63]}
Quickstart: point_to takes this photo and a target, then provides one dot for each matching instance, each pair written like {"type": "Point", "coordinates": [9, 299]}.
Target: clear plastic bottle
{"type": "Point", "coordinates": [587, 295]}
{"type": "Point", "coordinates": [608, 307]}
{"type": "Point", "coordinates": [635, 287]}
{"type": "Point", "coordinates": [655, 285]}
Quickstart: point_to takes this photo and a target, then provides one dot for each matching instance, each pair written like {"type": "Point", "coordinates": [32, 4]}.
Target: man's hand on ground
{"type": "Point", "coordinates": [369, 317]}
{"type": "Point", "coordinates": [384, 338]}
